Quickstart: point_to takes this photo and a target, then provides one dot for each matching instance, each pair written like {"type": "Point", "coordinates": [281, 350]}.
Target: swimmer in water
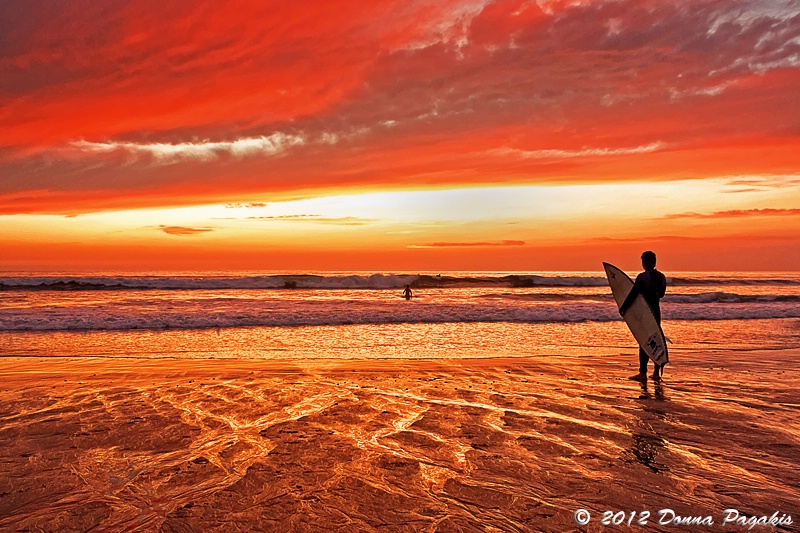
{"type": "Point", "coordinates": [407, 293]}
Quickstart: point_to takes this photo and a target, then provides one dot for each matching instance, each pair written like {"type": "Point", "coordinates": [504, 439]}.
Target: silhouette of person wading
{"type": "Point", "coordinates": [407, 293]}
{"type": "Point", "coordinates": [652, 285]}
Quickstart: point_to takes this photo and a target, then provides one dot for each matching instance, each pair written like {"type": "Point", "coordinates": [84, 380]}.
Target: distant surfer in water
{"type": "Point", "coordinates": [652, 285]}
{"type": "Point", "coordinates": [407, 293]}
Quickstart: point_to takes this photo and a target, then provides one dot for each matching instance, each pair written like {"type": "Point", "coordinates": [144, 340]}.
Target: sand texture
{"type": "Point", "coordinates": [397, 445]}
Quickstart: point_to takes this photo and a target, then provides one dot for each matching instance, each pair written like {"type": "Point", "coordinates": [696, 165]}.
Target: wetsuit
{"type": "Point", "coordinates": [652, 285]}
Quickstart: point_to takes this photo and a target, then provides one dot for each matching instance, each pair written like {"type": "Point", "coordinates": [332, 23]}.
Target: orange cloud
{"type": "Point", "coordinates": [182, 231]}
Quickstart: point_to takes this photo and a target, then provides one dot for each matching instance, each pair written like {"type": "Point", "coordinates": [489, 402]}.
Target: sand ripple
{"type": "Point", "coordinates": [469, 445]}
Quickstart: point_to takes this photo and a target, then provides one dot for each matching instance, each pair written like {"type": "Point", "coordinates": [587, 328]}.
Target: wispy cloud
{"type": "Point", "coordinates": [167, 153]}
{"type": "Point", "coordinates": [479, 244]}
{"type": "Point", "coordinates": [771, 30]}
{"type": "Point", "coordinates": [583, 152]}
{"type": "Point", "coordinates": [183, 231]}
{"type": "Point", "coordinates": [247, 205]}
{"type": "Point", "coordinates": [765, 182]}
{"type": "Point", "coordinates": [318, 219]}
{"type": "Point", "coordinates": [737, 213]}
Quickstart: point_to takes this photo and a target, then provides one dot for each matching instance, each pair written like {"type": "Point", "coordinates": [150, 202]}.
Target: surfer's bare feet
{"type": "Point", "coordinates": [639, 377]}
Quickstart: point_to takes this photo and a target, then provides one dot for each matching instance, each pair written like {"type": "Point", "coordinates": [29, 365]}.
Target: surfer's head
{"type": "Point", "coordinates": [648, 260]}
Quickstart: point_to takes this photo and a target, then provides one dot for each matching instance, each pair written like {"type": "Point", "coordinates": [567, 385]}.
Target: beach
{"type": "Point", "coordinates": [489, 402]}
{"type": "Point", "coordinates": [491, 444]}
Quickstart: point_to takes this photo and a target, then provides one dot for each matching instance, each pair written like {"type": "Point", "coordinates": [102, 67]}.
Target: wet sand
{"type": "Point", "coordinates": [393, 445]}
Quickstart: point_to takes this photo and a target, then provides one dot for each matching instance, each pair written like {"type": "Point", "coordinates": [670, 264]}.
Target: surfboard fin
{"type": "Point", "coordinates": [668, 340]}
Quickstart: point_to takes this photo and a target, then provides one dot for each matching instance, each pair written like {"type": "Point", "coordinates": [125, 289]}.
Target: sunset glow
{"type": "Point", "coordinates": [402, 136]}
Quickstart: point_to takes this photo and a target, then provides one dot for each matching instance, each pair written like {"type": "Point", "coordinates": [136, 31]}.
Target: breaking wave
{"type": "Point", "coordinates": [227, 313]}
{"type": "Point", "coordinates": [351, 281]}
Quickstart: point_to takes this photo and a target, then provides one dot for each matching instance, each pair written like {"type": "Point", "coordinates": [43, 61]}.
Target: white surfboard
{"type": "Point", "coordinates": [639, 317]}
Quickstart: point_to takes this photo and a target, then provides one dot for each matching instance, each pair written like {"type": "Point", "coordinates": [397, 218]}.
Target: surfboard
{"type": "Point", "coordinates": [639, 317]}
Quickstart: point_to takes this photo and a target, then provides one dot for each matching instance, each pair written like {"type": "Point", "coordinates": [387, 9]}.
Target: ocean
{"type": "Point", "coordinates": [359, 315]}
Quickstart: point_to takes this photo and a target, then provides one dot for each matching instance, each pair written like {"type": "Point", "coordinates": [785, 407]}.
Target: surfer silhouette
{"type": "Point", "coordinates": [652, 285]}
{"type": "Point", "coordinates": [407, 293]}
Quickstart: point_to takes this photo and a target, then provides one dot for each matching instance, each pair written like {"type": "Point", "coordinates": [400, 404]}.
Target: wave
{"type": "Point", "coordinates": [701, 298]}
{"type": "Point", "coordinates": [251, 313]}
{"type": "Point", "coordinates": [333, 282]}
{"type": "Point", "coordinates": [725, 297]}
{"type": "Point", "coordinates": [303, 281]}
{"type": "Point", "coordinates": [678, 281]}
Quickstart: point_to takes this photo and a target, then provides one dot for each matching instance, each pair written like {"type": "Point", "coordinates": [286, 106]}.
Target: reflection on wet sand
{"type": "Point", "coordinates": [447, 445]}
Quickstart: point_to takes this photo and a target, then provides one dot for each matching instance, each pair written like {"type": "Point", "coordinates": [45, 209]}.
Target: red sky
{"type": "Point", "coordinates": [138, 117]}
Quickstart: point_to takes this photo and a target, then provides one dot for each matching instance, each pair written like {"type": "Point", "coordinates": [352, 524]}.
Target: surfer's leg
{"type": "Point", "coordinates": [642, 375]}
{"type": "Point", "coordinates": [643, 359]}
{"type": "Point", "coordinates": [657, 371]}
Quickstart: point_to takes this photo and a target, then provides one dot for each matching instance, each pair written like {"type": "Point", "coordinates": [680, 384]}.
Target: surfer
{"type": "Point", "coordinates": [407, 293]}
{"type": "Point", "coordinates": [652, 285]}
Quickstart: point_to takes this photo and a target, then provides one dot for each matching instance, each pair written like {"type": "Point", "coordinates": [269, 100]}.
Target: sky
{"type": "Point", "coordinates": [399, 135]}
